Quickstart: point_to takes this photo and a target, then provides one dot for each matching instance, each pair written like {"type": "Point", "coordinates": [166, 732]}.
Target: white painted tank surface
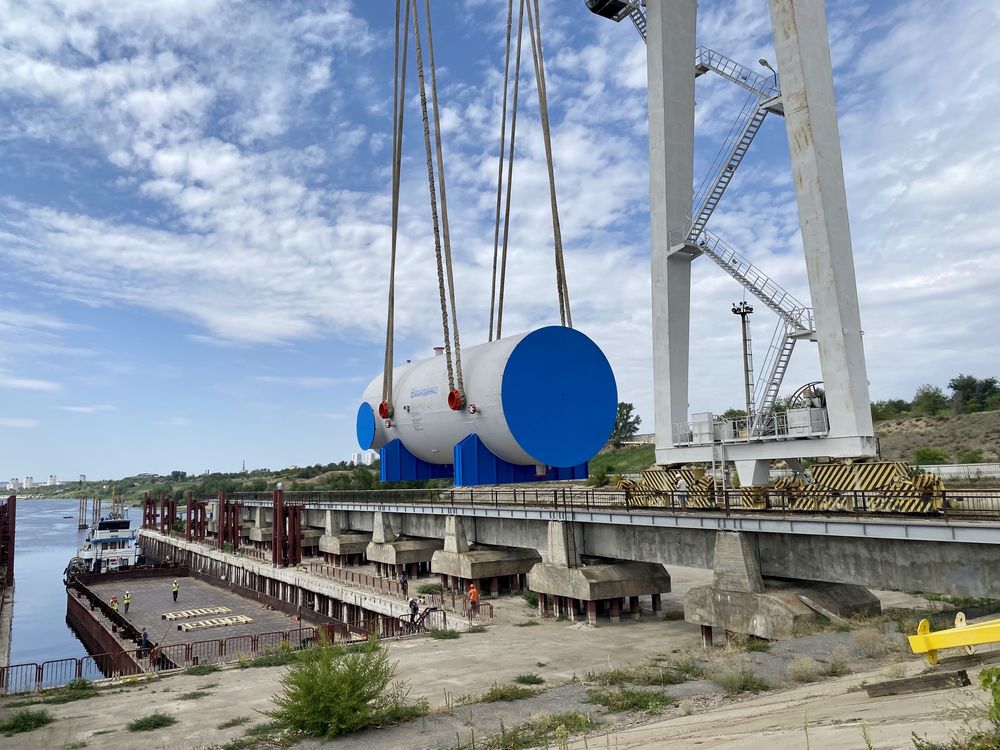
{"type": "Point", "coordinates": [547, 398]}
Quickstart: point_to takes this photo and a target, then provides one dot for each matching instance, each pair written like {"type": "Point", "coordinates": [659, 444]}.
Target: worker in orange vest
{"type": "Point", "coordinates": [474, 599]}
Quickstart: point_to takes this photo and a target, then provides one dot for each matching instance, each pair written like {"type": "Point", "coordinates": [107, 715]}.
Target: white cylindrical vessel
{"type": "Point", "coordinates": [547, 398]}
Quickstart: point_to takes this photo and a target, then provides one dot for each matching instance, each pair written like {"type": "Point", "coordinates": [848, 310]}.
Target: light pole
{"type": "Point", "coordinates": [744, 310]}
{"type": "Point", "coordinates": [765, 64]}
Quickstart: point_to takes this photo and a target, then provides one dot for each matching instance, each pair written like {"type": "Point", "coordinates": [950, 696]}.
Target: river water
{"type": "Point", "coordinates": [45, 542]}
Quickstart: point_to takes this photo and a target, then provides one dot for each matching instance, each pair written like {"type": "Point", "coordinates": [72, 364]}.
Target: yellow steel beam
{"type": "Point", "coordinates": [927, 643]}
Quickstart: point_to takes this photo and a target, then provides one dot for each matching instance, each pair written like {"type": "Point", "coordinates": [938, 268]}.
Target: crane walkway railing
{"type": "Point", "coordinates": [779, 354]}
{"type": "Point", "coordinates": [722, 171]}
{"type": "Point", "coordinates": [764, 87]}
{"type": "Point", "coordinates": [763, 287]}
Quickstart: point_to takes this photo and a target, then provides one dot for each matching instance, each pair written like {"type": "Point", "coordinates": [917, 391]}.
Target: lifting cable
{"type": "Point", "coordinates": [503, 145]}
{"type": "Point", "coordinates": [510, 168]}
{"type": "Point", "coordinates": [398, 108]}
{"type": "Point", "coordinates": [455, 398]}
{"type": "Point", "coordinates": [535, 34]}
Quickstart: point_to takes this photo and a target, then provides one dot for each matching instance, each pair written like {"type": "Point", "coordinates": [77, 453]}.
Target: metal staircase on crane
{"type": "Point", "coordinates": [755, 281]}
{"type": "Point", "coordinates": [741, 136]}
{"type": "Point", "coordinates": [795, 318]}
{"type": "Point", "coordinates": [775, 365]}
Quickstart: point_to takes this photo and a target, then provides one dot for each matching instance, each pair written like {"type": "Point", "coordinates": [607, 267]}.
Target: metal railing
{"type": "Point", "coordinates": [795, 423]}
{"type": "Point", "coordinates": [971, 503]}
{"type": "Point", "coordinates": [32, 677]}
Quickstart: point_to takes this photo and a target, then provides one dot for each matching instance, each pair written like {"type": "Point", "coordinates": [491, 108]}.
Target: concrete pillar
{"type": "Point", "coordinates": [736, 564]}
{"type": "Point", "coordinates": [670, 48]}
{"type": "Point", "coordinates": [382, 529]}
{"type": "Point", "coordinates": [592, 612]}
{"type": "Point", "coordinates": [657, 604]}
{"type": "Point", "coordinates": [802, 46]}
{"type": "Point", "coordinates": [541, 605]}
{"type": "Point", "coordinates": [331, 523]}
{"type": "Point", "coordinates": [615, 610]}
{"type": "Point", "coordinates": [633, 604]}
{"type": "Point", "coordinates": [495, 586]}
{"type": "Point", "coordinates": [706, 636]}
{"type": "Point", "coordinates": [562, 547]}
{"type": "Point", "coordinates": [455, 539]}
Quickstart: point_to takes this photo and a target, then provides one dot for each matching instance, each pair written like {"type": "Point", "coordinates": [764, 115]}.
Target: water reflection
{"type": "Point", "coordinates": [45, 543]}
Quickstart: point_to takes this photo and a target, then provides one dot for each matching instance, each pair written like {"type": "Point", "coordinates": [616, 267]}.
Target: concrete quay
{"type": "Point", "coordinates": [595, 562]}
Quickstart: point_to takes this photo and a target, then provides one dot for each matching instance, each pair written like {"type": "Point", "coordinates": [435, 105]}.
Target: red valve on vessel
{"type": "Point", "coordinates": [384, 410]}
{"type": "Point", "coordinates": [455, 399]}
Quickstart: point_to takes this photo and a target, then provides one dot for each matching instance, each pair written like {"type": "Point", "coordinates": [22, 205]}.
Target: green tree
{"type": "Point", "coordinates": [626, 423]}
{"type": "Point", "coordinates": [889, 409]}
{"type": "Point", "coordinates": [362, 479]}
{"type": "Point", "coordinates": [330, 691]}
{"type": "Point", "coordinates": [925, 456]}
{"type": "Point", "coordinates": [929, 400]}
{"type": "Point", "coordinates": [971, 394]}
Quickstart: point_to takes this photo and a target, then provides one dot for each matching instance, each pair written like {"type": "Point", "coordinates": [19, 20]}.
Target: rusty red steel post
{"type": "Point", "coordinates": [189, 502]}
{"type": "Point", "coordinates": [278, 528]}
{"type": "Point", "coordinates": [10, 511]}
{"type": "Point", "coordinates": [164, 514]}
{"type": "Point", "coordinates": [220, 521]}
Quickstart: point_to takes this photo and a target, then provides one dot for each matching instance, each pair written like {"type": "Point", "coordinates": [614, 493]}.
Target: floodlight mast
{"type": "Point", "coordinates": [844, 428]}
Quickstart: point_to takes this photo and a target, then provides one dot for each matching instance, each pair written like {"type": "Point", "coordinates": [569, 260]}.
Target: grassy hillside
{"type": "Point", "coordinates": [628, 460]}
{"type": "Point", "coordinates": [964, 438]}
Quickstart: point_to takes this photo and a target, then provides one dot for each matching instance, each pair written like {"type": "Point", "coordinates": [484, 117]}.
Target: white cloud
{"type": "Point", "coordinates": [8, 380]}
{"type": "Point", "coordinates": [95, 409]}
{"type": "Point", "coordinates": [17, 423]}
{"type": "Point", "coordinates": [258, 236]}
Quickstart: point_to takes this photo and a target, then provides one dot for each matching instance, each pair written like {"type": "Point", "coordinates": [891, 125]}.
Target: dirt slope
{"type": "Point", "coordinates": [964, 432]}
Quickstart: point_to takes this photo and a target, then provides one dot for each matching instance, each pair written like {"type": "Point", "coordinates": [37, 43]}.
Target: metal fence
{"type": "Point", "coordinates": [959, 503]}
{"type": "Point", "coordinates": [32, 677]}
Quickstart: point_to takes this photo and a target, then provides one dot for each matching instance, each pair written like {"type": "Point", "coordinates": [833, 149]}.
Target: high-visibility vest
{"type": "Point", "coordinates": [128, 598]}
{"type": "Point", "coordinates": [176, 587]}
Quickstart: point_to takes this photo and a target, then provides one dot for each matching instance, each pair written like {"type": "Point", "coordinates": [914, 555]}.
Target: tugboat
{"type": "Point", "coordinates": [110, 545]}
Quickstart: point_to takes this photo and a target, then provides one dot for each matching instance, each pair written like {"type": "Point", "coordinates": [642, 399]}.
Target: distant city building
{"type": "Point", "coordinates": [13, 483]}
{"type": "Point", "coordinates": [82, 478]}
{"type": "Point", "coordinates": [355, 459]}
{"type": "Point", "coordinates": [29, 482]}
{"type": "Point", "coordinates": [368, 457]}
{"type": "Point", "coordinates": [206, 473]}
{"type": "Point", "coordinates": [52, 480]}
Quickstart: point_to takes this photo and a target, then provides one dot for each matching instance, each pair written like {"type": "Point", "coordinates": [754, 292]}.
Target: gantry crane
{"type": "Point", "coordinates": [679, 217]}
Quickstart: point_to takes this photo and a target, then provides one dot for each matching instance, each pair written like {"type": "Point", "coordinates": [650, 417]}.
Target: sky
{"type": "Point", "coordinates": [195, 213]}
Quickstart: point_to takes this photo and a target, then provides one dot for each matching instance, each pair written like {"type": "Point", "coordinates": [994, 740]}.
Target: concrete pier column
{"type": "Point", "coordinates": [562, 548]}
{"type": "Point", "coordinates": [736, 564]}
{"type": "Point", "coordinates": [382, 532]}
{"type": "Point", "coordinates": [495, 586]}
{"type": "Point", "coordinates": [657, 604]}
{"type": "Point", "coordinates": [592, 612]}
{"type": "Point", "coordinates": [541, 605]}
{"type": "Point", "coordinates": [615, 607]}
{"type": "Point", "coordinates": [633, 604]}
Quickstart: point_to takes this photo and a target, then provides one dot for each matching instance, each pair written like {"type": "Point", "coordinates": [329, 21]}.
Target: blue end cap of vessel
{"type": "Point", "coordinates": [366, 426]}
{"type": "Point", "coordinates": [559, 396]}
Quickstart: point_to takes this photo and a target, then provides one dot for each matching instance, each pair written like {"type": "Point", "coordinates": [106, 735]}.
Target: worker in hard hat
{"type": "Point", "coordinates": [114, 603]}
{"type": "Point", "coordinates": [175, 589]}
{"type": "Point", "coordinates": [126, 600]}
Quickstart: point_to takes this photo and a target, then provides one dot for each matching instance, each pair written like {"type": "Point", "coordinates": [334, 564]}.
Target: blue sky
{"type": "Point", "coordinates": [194, 213]}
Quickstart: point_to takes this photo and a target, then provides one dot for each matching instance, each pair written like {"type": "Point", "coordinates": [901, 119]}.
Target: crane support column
{"type": "Point", "coordinates": [803, 52]}
{"type": "Point", "coordinates": [669, 52]}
